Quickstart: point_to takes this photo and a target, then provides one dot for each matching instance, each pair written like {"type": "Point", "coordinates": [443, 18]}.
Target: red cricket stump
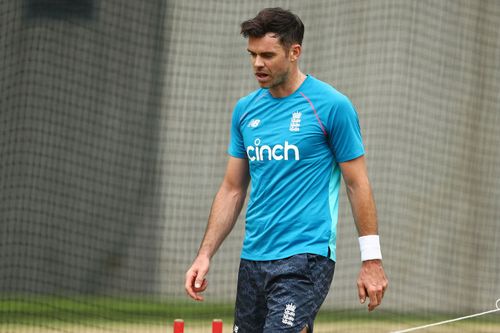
{"type": "Point", "coordinates": [217, 326]}
{"type": "Point", "coordinates": [178, 326]}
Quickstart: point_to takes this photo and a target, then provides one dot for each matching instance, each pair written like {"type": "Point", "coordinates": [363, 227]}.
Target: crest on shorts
{"type": "Point", "coordinates": [289, 314]}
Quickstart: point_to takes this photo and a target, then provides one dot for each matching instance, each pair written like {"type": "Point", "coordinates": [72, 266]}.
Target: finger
{"type": "Point", "coordinates": [386, 285]}
{"type": "Point", "coordinates": [361, 292]}
{"type": "Point", "coordinates": [203, 286]}
{"type": "Point", "coordinates": [199, 298]}
{"type": "Point", "coordinates": [190, 276]}
{"type": "Point", "coordinates": [374, 300]}
{"type": "Point", "coordinates": [372, 293]}
{"type": "Point", "coordinates": [200, 279]}
{"type": "Point", "coordinates": [382, 293]}
{"type": "Point", "coordinates": [189, 287]}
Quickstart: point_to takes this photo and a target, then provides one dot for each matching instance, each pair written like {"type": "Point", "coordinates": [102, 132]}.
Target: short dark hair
{"type": "Point", "coordinates": [286, 25]}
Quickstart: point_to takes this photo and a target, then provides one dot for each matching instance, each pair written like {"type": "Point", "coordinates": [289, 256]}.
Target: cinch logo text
{"type": "Point", "coordinates": [277, 152]}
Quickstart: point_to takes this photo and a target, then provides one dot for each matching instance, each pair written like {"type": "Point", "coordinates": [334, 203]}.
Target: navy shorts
{"type": "Point", "coordinates": [281, 295]}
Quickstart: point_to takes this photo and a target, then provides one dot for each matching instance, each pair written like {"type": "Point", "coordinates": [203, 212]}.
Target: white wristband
{"type": "Point", "coordinates": [370, 247]}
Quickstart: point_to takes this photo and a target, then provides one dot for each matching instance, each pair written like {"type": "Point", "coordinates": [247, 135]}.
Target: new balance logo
{"type": "Point", "coordinates": [295, 122]}
{"type": "Point", "coordinates": [289, 314]}
{"type": "Point", "coordinates": [254, 123]}
{"type": "Point", "coordinates": [277, 152]}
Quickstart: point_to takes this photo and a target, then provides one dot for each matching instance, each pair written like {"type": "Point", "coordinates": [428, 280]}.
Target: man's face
{"type": "Point", "coordinates": [270, 61]}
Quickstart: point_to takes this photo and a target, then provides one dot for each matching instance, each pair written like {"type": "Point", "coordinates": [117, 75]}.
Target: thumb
{"type": "Point", "coordinates": [361, 293]}
{"type": "Point", "coordinates": [200, 278]}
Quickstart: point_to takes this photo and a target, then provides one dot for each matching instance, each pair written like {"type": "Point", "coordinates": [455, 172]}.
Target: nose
{"type": "Point", "coordinates": [258, 61]}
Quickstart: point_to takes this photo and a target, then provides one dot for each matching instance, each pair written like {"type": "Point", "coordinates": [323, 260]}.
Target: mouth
{"type": "Point", "coordinates": [261, 77]}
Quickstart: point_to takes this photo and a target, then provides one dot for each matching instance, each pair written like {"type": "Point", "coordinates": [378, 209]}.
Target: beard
{"type": "Point", "coordinates": [279, 80]}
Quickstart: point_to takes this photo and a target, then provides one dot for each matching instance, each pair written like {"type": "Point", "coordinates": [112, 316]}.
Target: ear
{"type": "Point", "coordinates": [295, 52]}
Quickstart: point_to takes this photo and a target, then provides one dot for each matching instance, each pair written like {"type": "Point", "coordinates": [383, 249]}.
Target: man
{"type": "Point", "coordinates": [293, 138]}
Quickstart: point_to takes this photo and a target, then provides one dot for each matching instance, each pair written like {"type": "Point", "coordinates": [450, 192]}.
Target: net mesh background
{"type": "Point", "coordinates": [114, 125]}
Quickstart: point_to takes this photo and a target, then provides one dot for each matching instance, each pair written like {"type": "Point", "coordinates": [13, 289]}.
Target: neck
{"type": "Point", "coordinates": [288, 87]}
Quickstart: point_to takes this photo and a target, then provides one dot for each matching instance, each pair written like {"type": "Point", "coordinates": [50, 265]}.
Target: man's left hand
{"type": "Point", "coordinates": [372, 283]}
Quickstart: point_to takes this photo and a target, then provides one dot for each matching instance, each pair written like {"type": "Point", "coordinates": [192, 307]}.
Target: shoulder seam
{"type": "Point", "coordinates": [315, 113]}
{"type": "Point", "coordinates": [259, 94]}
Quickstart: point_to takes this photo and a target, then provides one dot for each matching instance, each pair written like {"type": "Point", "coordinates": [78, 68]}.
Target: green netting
{"type": "Point", "coordinates": [114, 123]}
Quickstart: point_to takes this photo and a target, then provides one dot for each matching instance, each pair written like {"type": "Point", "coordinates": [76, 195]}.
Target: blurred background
{"type": "Point", "coordinates": [114, 125]}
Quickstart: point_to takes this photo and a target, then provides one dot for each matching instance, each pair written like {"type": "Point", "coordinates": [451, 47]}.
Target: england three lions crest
{"type": "Point", "coordinates": [295, 121]}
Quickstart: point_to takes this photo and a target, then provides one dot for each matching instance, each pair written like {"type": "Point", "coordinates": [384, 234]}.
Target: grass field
{"type": "Point", "coordinates": [341, 326]}
{"type": "Point", "coordinates": [100, 315]}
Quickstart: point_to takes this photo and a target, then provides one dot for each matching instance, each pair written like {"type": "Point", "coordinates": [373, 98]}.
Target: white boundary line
{"type": "Point", "coordinates": [497, 305]}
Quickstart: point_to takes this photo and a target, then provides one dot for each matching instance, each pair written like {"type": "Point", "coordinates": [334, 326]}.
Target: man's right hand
{"type": "Point", "coordinates": [195, 278]}
{"type": "Point", "coordinates": [223, 215]}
